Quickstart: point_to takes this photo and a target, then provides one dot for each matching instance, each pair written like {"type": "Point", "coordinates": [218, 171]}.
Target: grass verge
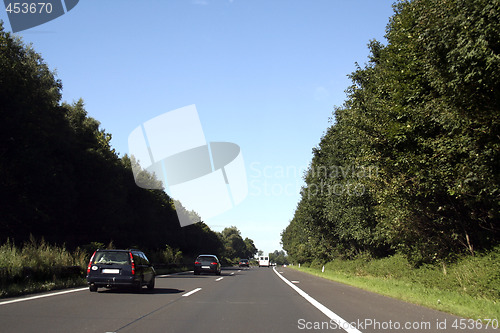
{"type": "Point", "coordinates": [39, 266]}
{"type": "Point", "coordinates": [19, 289]}
{"type": "Point", "coordinates": [458, 292]}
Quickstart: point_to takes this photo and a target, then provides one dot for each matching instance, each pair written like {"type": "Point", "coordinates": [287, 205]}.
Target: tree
{"type": "Point", "coordinates": [250, 249]}
{"type": "Point", "coordinates": [62, 180]}
{"type": "Point", "coordinates": [423, 113]}
{"type": "Point", "coordinates": [32, 134]}
{"type": "Point", "coordinates": [235, 246]}
{"type": "Point", "coordinates": [279, 257]}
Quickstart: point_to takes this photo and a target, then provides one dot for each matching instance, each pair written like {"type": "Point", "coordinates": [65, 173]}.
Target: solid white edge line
{"type": "Point", "coordinates": [42, 296]}
{"type": "Point", "coordinates": [191, 292]}
{"type": "Point", "coordinates": [329, 313]}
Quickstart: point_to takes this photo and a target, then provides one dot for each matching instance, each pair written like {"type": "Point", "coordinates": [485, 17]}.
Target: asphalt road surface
{"type": "Point", "coordinates": [240, 300]}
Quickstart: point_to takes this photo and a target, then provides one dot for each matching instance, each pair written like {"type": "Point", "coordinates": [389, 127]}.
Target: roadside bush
{"type": "Point", "coordinates": [224, 261]}
{"type": "Point", "coordinates": [477, 276]}
{"type": "Point", "coordinates": [316, 263]}
{"type": "Point", "coordinates": [393, 267]}
{"type": "Point", "coordinates": [36, 265]}
{"type": "Point", "coordinates": [168, 255]}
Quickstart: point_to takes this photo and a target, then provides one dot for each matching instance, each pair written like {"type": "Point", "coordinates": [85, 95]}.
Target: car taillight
{"type": "Point", "coordinates": [197, 263]}
{"type": "Point", "coordinates": [214, 263]}
{"type": "Point", "coordinates": [90, 263]}
{"type": "Point", "coordinates": [133, 264]}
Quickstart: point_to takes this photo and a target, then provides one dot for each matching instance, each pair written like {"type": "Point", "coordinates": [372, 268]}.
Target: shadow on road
{"type": "Point", "coordinates": [226, 271]}
{"type": "Point", "coordinates": [142, 291]}
{"type": "Point", "coordinates": [234, 268]}
{"type": "Point", "coordinates": [185, 276]}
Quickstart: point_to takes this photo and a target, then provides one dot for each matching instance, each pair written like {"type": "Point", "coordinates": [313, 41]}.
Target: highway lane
{"type": "Point", "coordinates": [242, 300]}
{"type": "Point", "coordinates": [248, 300]}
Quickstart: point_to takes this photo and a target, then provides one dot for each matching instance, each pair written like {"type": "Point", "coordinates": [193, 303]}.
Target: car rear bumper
{"type": "Point", "coordinates": [110, 281]}
{"type": "Point", "coordinates": [206, 270]}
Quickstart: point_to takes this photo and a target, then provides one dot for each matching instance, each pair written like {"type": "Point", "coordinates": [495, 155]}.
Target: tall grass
{"type": "Point", "coordinates": [168, 260]}
{"type": "Point", "coordinates": [38, 266]}
{"type": "Point", "coordinates": [168, 255]}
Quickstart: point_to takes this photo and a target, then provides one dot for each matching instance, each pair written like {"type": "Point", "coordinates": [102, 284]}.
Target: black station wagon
{"type": "Point", "coordinates": [120, 268]}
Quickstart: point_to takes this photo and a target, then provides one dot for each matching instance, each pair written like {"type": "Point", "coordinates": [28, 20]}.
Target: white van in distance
{"type": "Point", "coordinates": [264, 261]}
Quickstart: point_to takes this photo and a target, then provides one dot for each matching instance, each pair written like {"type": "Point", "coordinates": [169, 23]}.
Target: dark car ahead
{"type": "Point", "coordinates": [207, 263]}
{"type": "Point", "coordinates": [244, 263]}
{"type": "Point", "coordinates": [120, 268]}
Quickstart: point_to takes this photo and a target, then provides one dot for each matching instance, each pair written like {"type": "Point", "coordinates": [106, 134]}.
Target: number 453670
{"type": "Point", "coordinates": [29, 8]}
{"type": "Point", "coordinates": [475, 324]}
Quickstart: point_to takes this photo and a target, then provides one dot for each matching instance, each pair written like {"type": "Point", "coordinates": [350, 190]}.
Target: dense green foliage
{"type": "Point", "coordinates": [278, 257]}
{"type": "Point", "coordinates": [234, 247]}
{"type": "Point", "coordinates": [411, 163]}
{"type": "Point", "coordinates": [63, 182]}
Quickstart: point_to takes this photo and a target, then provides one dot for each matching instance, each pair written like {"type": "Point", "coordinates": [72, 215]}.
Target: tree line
{"type": "Point", "coordinates": [62, 181]}
{"type": "Point", "coordinates": [411, 161]}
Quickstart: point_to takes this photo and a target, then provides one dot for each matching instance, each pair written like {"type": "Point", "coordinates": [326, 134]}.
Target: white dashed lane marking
{"type": "Point", "coordinates": [191, 292]}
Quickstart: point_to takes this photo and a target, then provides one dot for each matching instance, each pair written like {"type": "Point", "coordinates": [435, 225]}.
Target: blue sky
{"type": "Point", "coordinates": [264, 74]}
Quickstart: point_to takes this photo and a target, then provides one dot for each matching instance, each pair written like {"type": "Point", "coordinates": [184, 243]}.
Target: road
{"type": "Point", "coordinates": [240, 300]}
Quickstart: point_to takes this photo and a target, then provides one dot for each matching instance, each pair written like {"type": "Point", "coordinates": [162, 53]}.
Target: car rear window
{"type": "Point", "coordinates": [205, 259]}
{"type": "Point", "coordinates": [112, 257]}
